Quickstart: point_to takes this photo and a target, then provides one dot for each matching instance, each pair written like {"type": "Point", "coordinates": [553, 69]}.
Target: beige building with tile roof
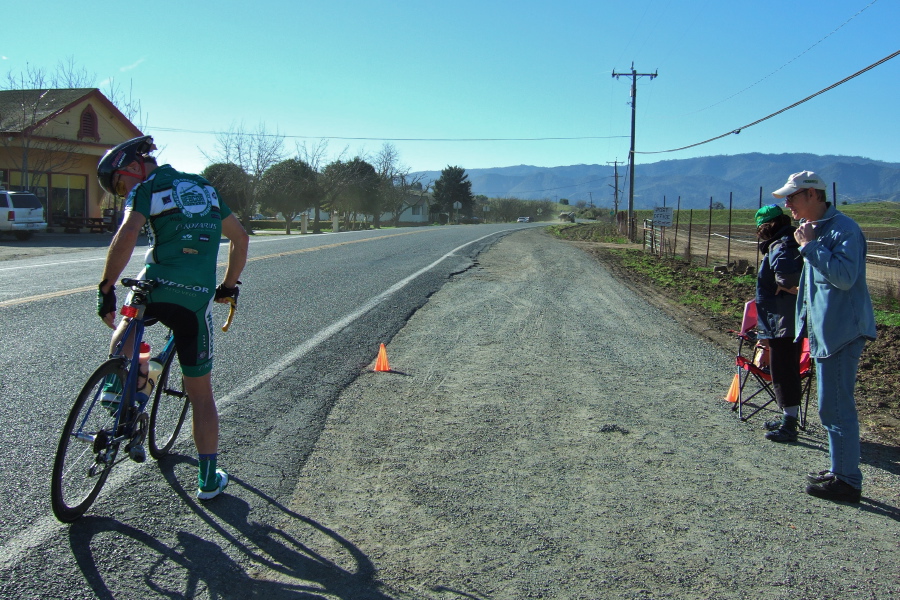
{"type": "Point", "coordinates": [50, 143]}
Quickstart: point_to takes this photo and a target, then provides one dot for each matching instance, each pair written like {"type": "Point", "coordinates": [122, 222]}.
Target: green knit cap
{"type": "Point", "coordinates": [767, 213]}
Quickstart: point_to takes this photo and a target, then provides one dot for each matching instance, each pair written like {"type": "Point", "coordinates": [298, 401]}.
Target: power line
{"type": "Point", "coordinates": [379, 139]}
{"type": "Point", "coordinates": [788, 62]}
{"type": "Point", "coordinates": [794, 105]}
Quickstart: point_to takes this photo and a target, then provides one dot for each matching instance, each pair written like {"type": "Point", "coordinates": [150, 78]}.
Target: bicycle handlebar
{"type": "Point", "coordinates": [232, 308]}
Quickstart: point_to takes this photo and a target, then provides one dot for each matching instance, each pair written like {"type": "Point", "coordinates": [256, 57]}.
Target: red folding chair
{"type": "Point", "coordinates": [755, 381]}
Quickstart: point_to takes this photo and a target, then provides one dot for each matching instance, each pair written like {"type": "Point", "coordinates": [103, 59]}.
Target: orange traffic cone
{"type": "Point", "coordinates": [382, 363]}
{"type": "Point", "coordinates": [735, 390]}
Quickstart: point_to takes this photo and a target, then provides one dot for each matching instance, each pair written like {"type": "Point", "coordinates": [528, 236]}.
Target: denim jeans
{"type": "Point", "coordinates": [836, 381]}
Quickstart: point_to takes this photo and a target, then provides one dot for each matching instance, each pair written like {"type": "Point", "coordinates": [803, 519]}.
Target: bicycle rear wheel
{"type": "Point", "coordinates": [86, 452]}
{"type": "Point", "coordinates": [170, 404]}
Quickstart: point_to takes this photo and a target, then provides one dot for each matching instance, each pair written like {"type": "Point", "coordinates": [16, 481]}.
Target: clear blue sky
{"type": "Point", "coordinates": [498, 70]}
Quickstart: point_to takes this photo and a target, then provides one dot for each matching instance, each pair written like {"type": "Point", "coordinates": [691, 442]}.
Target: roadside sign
{"type": "Point", "coordinates": [662, 216]}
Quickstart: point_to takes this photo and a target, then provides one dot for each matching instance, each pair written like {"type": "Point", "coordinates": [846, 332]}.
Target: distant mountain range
{"type": "Point", "coordinates": [695, 180]}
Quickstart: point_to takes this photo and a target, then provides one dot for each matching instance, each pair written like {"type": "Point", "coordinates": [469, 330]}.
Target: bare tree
{"type": "Point", "coordinates": [68, 75]}
{"type": "Point", "coordinates": [314, 154]}
{"type": "Point", "coordinates": [128, 105]}
{"type": "Point", "coordinates": [31, 78]}
{"type": "Point", "coordinates": [254, 152]}
{"type": "Point", "coordinates": [400, 190]}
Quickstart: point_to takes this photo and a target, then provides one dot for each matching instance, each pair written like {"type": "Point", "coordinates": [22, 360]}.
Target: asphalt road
{"type": "Point", "coordinates": [545, 432]}
{"type": "Point", "coordinates": [312, 313]}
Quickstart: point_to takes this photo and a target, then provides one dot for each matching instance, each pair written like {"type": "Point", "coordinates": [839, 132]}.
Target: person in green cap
{"type": "Point", "coordinates": [776, 301]}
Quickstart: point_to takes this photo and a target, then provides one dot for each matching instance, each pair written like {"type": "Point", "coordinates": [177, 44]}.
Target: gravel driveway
{"type": "Point", "coordinates": [546, 433]}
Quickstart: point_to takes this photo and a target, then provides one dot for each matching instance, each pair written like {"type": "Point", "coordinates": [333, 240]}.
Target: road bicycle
{"type": "Point", "coordinates": [99, 429]}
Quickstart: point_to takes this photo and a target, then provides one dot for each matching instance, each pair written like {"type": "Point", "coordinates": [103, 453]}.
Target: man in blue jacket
{"type": "Point", "coordinates": [834, 311]}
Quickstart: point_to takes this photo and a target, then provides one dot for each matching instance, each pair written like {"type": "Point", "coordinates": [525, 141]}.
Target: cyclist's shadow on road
{"type": "Point", "coordinates": [199, 566]}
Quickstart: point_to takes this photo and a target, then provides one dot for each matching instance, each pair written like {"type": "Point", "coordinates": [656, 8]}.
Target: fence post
{"type": "Point", "coordinates": [677, 214]}
{"type": "Point", "coordinates": [728, 252]}
{"type": "Point", "coordinates": [690, 228]}
{"type": "Point", "coordinates": [662, 235]}
{"type": "Point", "coordinates": [708, 233]}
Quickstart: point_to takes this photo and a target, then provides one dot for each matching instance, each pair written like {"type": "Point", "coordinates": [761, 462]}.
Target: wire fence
{"type": "Point", "coordinates": [693, 237]}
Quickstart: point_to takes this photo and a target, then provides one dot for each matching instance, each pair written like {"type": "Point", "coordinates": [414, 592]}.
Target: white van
{"type": "Point", "coordinates": [21, 214]}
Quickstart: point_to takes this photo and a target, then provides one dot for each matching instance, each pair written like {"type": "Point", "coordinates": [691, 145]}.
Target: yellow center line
{"type": "Point", "coordinates": [49, 295]}
{"type": "Point", "coordinates": [325, 247]}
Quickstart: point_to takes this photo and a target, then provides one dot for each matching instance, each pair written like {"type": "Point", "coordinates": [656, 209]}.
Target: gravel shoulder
{"type": "Point", "coordinates": [548, 433]}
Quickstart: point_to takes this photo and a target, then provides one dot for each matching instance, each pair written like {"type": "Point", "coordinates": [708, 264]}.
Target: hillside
{"type": "Point", "coordinates": [695, 180]}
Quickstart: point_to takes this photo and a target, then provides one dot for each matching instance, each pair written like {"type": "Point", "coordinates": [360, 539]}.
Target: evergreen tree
{"type": "Point", "coordinates": [454, 186]}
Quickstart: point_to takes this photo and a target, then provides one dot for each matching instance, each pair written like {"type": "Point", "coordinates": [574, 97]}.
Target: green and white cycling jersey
{"type": "Point", "coordinates": [184, 215]}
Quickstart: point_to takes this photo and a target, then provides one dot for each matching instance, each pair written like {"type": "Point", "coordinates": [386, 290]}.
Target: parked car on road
{"type": "Point", "coordinates": [21, 214]}
{"type": "Point", "coordinates": [523, 220]}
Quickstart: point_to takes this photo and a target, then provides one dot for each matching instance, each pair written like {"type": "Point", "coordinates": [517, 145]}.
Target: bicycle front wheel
{"type": "Point", "coordinates": [86, 452]}
{"type": "Point", "coordinates": [170, 404]}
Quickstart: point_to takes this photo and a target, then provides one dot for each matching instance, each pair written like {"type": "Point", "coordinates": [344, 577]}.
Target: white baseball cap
{"type": "Point", "coordinates": [800, 181]}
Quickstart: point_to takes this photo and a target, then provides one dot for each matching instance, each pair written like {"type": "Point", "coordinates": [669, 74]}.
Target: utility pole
{"type": "Point", "coordinates": [592, 199]}
{"type": "Point", "coordinates": [634, 76]}
{"type": "Point", "coordinates": [615, 188]}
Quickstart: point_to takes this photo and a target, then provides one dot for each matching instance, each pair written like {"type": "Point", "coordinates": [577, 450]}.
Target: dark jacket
{"type": "Point", "coordinates": [781, 266]}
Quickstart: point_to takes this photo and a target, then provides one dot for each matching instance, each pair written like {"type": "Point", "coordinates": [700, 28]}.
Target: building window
{"type": "Point", "coordinates": [88, 128]}
{"type": "Point", "coordinates": [68, 197]}
{"type": "Point", "coordinates": [417, 209]}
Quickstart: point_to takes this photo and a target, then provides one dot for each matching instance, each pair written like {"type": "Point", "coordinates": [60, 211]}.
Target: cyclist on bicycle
{"type": "Point", "coordinates": [186, 220]}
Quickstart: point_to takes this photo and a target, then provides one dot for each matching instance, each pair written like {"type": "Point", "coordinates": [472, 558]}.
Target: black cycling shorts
{"type": "Point", "coordinates": [192, 332]}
